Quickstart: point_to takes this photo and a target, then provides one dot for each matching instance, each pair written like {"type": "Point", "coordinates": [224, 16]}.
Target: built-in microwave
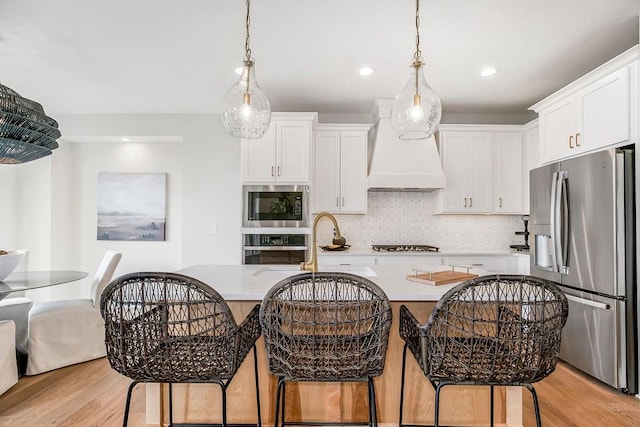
{"type": "Point", "coordinates": [275, 206]}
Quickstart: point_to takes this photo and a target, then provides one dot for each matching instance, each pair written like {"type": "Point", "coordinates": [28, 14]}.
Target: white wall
{"type": "Point", "coordinates": [56, 197]}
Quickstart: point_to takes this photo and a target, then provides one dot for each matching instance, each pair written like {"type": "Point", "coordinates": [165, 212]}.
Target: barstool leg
{"type": "Point", "coordinates": [127, 405]}
{"type": "Point", "coordinates": [404, 365]}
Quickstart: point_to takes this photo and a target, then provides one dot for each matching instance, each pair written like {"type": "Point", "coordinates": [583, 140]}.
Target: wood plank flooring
{"type": "Point", "coordinates": [91, 394]}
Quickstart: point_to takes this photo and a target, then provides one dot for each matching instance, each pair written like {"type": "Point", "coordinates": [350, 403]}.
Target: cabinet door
{"type": "Point", "coordinates": [604, 107]}
{"type": "Point", "coordinates": [258, 157]}
{"type": "Point", "coordinates": [508, 172]}
{"type": "Point", "coordinates": [480, 178]}
{"type": "Point", "coordinates": [557, 131]}
{"type": "Point", "coordinates": [455, 164]}
{"type": "Point", "coordinates": [326, 174]}
{"type": "Point", "coordinates": [293, 142]}
{"type": "Point", "coordinates": [353, 172]}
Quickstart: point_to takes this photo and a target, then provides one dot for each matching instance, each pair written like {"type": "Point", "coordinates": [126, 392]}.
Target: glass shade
{"type": "Point", "coordinates": [415, 114]}
{"type": "Point", "coordinates": [246, 113]}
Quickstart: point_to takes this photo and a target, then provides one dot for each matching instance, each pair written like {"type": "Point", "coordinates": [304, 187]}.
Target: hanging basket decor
{"type": "Point", "coordinates": [26, 132]}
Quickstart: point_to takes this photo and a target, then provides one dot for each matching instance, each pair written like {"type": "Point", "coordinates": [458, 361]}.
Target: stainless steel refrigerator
{"type": "Point", "coordinates": [583, 227]}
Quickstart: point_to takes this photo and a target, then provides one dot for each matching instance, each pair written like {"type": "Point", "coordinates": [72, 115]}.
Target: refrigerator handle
{"type": "Point", "coordinates": [564, 215]}
{"type": "Point", "coordinates": [553, 221]}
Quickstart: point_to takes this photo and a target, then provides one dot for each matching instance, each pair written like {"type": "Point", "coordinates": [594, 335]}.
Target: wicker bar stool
{"type": "Point", "coordinates": [499, 330]}
{"type": "Point", "coordinates": [170, 328]}
{"type": "Point", "coordinates": [325, 327]}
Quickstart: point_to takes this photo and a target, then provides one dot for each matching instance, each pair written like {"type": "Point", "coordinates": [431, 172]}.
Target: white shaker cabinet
{"type": "Point", "coordinates": [595, 111]}
{"type": "Point", "coordinates": [340, 168]}
{"type": "Point", "coordinates": [509, 183]}
{"type": "Point", "coordinates": [283, 154]}
{"type": "Point", "coordinates": [467, 164]}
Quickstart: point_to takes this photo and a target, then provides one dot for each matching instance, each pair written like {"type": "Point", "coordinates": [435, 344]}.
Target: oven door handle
{"type": "Point", "coordinates": [275, 248]}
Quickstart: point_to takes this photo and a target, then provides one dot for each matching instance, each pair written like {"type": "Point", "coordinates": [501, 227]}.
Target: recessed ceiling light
{"type": "Point", "coordinates": [488, 71]}
{"type": "Point", "coordinates": [366, 71]}
{"type": "Point", "coordinates": [238, 70]}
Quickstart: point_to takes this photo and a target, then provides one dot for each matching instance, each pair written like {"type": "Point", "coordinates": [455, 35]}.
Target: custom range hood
{"type": "Point", "coordinates": [396, 165]}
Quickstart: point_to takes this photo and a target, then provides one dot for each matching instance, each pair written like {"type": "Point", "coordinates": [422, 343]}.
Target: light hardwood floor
{"type": "Point", "coordinates": [91, 394]}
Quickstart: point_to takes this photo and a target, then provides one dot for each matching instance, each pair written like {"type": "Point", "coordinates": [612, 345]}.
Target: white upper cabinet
{"type": "Point", "coordinates": [282, 155]}
{"type": "Point", "coordinates": [485, 169]}
{"type": "Point", "coordinates": [595, 111]}
{"type": "Point", "coordinates": [467, 164]}
{"type": "Point", "coordinates": [509, 173]}
{"type": "Point", "coordinates": [340, 168]}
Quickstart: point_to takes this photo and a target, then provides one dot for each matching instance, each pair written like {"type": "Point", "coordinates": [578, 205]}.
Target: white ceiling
{"type": "Point", "coordinates": [170, 56]}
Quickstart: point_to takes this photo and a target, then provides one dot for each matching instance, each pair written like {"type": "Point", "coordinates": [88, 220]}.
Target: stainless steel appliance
{"type": "Point", "coordinates": [275, 206]}
{"type": "Point", "coordinates": [274, 248]}
{"type": "Point", "coordinates": [404, 248]}
{"type": "Point", "coordinates": [583, 227]}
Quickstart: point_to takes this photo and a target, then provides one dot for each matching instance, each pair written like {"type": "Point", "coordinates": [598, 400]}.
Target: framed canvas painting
{"type": "Point", "coordinates": [132, 206]}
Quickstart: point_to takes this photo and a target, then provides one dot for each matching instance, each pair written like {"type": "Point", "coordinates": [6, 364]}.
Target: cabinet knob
{"type": "Point", "coordinates": [577, 140]}
{"type": "Point", "coordinates": [570, 141]}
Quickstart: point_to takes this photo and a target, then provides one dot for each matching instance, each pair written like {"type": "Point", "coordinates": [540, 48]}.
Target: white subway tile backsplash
{"type": "Point", "coordinates": [409, 218]}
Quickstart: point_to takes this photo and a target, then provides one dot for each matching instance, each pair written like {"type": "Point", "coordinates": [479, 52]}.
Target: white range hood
{"type": "Point", "coordinates": [396, 165]}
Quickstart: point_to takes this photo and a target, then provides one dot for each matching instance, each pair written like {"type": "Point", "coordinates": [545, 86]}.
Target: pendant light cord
{"type": "Point", "coordinates": [247, 49]}
{"type": "Point", "coordinates": [418, 55]}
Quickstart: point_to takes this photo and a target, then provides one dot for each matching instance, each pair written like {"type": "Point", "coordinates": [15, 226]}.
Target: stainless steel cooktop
{"type": "Point", "coordinates": [404, 248]}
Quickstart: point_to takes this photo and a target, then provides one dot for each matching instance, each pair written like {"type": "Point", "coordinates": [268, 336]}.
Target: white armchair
{"type": "Point", "coordinates": [63, 333]}
{"type": "Point", "coordinates": [8, 366]}
{"type": "Point", "coordinates": [17, 309]}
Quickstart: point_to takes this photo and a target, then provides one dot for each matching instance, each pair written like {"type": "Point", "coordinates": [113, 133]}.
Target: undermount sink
{"type": "Point", "coordinates": [290, 270]}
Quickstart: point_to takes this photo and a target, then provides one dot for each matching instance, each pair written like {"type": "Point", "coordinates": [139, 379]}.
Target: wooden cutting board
{"type": "Point", "coordinates": [440, 277]}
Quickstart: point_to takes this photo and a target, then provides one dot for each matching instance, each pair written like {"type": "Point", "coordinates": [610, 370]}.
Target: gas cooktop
{"type": "Point", "coordinates": [404, 248]}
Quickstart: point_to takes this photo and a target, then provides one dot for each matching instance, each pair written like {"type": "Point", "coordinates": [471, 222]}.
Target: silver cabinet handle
{"type": "Point", "coordinates": [465, 202]}
{"type": "Point", "coordinates": [500, 203]}
{"type": "Point", "coordinates": [470, 202]}
{"type": "Point", "coordinates": [588, 302]}
{"type": "Point", "coordinates": [272, 171]}
{"type": "Point", "coordinates": [577, 140]}
{"type": "Point", "coordinates": [278, 170]}
{"type": "Point", "coordinates": [342, 200]}
{"type": "Point", "coordinates": [337, 201]}
{"type": "Point", "coordinates": [571, 141]}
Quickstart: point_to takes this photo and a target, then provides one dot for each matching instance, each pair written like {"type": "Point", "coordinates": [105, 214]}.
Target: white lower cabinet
{"type": "Point", "coordinates": [340, 169]}
{"type": "Point", "coordinates": [346, 260]}
{"type": "Point", "coordinates": [414, 261]}
{"type": "Point", "coordinates": [490, 264]}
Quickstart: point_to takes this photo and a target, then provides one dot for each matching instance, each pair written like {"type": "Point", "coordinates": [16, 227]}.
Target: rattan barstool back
{"type": "Point", "coordinates": [325, 327]}
{"type": "Point", "coordinates": [171, 328]}
{"type": "Point", "coordinates": [491, 330]}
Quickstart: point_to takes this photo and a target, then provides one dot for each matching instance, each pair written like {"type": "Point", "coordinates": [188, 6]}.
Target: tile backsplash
{"type": "Point", "coordinates": [409, 218]}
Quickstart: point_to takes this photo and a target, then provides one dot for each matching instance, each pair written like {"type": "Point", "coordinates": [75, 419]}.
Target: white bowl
{"type": "Point", "coordinates": [9, 262]}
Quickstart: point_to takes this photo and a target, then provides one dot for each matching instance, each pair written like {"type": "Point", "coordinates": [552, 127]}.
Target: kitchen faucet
{"type": "Point", "coordinates": [312, 264]}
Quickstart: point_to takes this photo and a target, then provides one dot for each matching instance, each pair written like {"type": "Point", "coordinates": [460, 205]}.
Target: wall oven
{"type": "Point", "coordinates": [275, 206]}
{"type": "Point", "coordinates": [274, 248]}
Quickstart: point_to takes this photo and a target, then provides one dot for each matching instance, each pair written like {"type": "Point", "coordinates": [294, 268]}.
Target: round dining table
{"type": "Point", "coordinates": [27, 280]}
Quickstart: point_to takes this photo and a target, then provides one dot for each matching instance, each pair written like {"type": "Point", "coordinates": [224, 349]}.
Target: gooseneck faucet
{"type": "Point", "coordinates": [312, 264]}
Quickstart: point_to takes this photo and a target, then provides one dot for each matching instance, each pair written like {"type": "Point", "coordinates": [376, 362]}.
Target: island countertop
{"type": "Point", "coordinates": [251, 282]}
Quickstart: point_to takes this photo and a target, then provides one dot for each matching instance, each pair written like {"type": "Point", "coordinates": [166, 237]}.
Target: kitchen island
{"type": "Point", "coordinates": [243, 286]}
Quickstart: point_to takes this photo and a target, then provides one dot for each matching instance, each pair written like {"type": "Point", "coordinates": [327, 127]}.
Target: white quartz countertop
{"type": "Point", "coordinates": [251, 282]}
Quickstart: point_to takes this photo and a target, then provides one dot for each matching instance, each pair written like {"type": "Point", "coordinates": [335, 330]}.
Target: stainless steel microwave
{"type": "Point", "coordinates": [275, 206]}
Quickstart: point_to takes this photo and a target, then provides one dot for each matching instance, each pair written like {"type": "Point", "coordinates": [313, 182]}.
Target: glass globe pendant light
{"type": "Point", "coordinates": [416, 111]}
{"type": "Point", "coordinates": [246, 111]}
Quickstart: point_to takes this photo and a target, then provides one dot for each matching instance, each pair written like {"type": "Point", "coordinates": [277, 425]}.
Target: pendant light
{"type": "Point", "coordinates": [246, 110]}
{"type": "Point", "coordinates": [416, 111]}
